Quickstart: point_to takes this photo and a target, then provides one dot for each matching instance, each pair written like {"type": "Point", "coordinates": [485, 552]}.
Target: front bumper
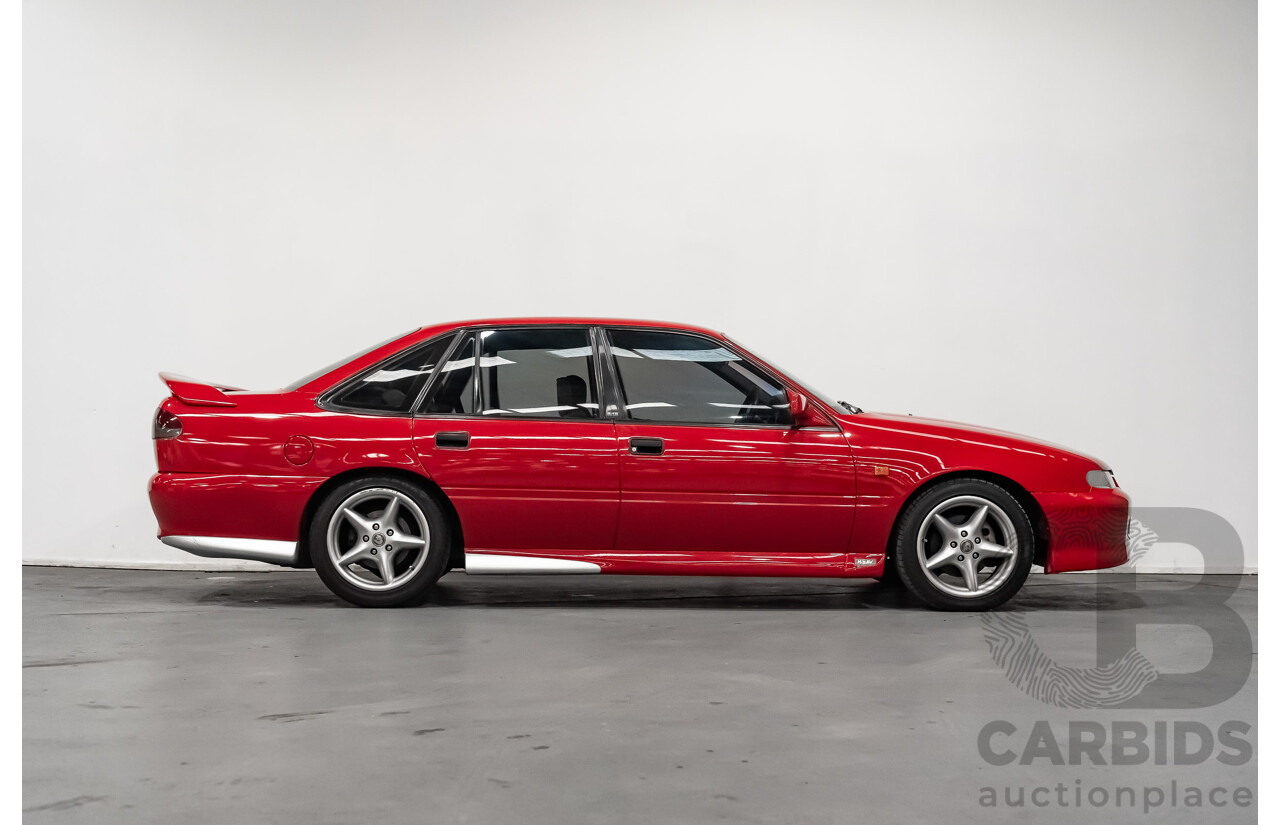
{"type": "Point", "coordinates": [1086, 531]}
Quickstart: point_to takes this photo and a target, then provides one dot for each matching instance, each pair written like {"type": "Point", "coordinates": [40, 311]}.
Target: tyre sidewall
{"type": "Point", "coordinates": [911, 571]}
{"type": "Point", "coordinates": [411, 592]}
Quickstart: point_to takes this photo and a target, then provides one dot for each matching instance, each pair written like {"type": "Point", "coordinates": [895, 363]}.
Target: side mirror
{"type": "Point", "coordinates": [802, 415]}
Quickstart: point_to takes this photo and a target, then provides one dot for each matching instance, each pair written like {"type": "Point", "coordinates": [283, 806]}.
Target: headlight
{"type": "Point", "coordinates": [1101, 478]}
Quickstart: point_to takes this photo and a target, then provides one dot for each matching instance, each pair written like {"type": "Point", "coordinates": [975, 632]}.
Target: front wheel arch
{"type": "Point", "coordinates": [1039, 524]}
{"type": "Point", "coordinates": [456, 549]}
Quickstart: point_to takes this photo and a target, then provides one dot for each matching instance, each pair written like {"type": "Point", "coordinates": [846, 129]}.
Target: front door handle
{"type": "Point", "coordinates": [646, 446]}
{"type": "Point", "coordinates": [453, 440]}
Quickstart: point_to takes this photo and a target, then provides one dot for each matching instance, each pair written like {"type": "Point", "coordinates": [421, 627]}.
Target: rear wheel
{"type": "Point", "coordinates": [379, 542]}
{"type": "Point", "coordinates": [964, 545]}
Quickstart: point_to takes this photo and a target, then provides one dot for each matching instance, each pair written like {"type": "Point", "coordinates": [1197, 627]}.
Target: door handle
{"type": "Point", "coordinates": [646, 446]}
{"type": "Point", "coordinates": [453, 440]}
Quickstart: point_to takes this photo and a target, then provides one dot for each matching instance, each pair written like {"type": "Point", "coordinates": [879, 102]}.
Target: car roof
{"type": "Point", "coordinates": [606, 322]}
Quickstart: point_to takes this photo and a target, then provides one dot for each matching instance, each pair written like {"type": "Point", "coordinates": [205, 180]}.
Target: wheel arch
{"type": "Point", "coordinates": [1039, 524]}
{"type": "Point", "coordinates": [456, 548]}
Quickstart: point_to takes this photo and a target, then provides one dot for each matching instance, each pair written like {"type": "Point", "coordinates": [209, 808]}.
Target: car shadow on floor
{"type": "Point", "coordinates": [457, 592]}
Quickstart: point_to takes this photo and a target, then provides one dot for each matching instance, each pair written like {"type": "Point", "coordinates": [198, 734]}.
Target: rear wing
{"type": "Point", "coordinates": [190, 391]}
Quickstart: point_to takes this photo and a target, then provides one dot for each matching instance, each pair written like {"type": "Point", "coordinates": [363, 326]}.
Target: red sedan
{"type": "Point", "coordinates": [604, 446]}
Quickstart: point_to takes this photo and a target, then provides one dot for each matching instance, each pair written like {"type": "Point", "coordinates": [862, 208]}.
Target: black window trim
{"type": "Point", "coordinates": [611, 390]}
{"type": "Point", "coordinates": [325, 400]}
{"type": "Point", "coordinates": [602, 385]}
{"type": "Point", "coordinates": [608, 387]}
{"type": "Point", "coordinates": [416, 409]}
{"type": "Point", "coordinates": [787, 384]}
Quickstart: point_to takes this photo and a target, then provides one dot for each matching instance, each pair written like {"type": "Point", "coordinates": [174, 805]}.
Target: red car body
{"type": "Point", "coordinates": [243, 478]}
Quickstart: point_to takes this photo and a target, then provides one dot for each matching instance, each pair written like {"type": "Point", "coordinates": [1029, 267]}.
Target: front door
{"type": "Point", "coordinates": [710, 462]}
{"type": "Point", "coordinates": [512, 432]}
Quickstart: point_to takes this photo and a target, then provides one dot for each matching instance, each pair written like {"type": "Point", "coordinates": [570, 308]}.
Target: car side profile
{"type": "Point", "coordinates": [561, 446]}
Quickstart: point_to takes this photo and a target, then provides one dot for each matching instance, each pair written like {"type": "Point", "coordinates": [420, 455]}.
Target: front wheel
{"type": "Point", "coordinates": [379, 542]}
{"type": "Point", "coordinates": [964, 545]}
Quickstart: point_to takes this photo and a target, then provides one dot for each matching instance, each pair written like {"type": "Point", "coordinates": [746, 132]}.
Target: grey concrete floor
{"type": "Point", "coordinates": [190, 697]}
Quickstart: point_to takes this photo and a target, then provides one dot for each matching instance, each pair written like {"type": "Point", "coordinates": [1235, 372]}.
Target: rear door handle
{"type": "Point", "coordinates": [453, 440]}
{"type": "Point", "coordinates": [646, 446]}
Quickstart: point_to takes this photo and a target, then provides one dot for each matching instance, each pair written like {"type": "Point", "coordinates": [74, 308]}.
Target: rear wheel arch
{"type": "Point", "coordinates": [1039, 524]}
{"type": "Point", "coordinates": [456, 550]}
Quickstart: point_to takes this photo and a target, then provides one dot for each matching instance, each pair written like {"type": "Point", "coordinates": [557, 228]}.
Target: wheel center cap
{"type": "Point", "coordinates": [378, 540]}
{"type": "Point", "coordinates": [967, 546]}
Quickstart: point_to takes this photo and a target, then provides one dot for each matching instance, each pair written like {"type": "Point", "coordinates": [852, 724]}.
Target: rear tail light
{"type": "Point", "coordinates": [167, 425]}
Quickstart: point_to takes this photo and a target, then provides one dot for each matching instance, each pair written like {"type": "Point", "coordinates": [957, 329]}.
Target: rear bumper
{"type": "Point", "coordinates": [257, 518]}
{"type": "Point", "coordinates": [284, 553]}
{"type": "Point", "coordinates": [1087, 531]}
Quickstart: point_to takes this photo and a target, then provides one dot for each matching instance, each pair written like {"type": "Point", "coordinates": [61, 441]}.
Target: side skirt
{"type": "Point", "coordinates": [733, 563]}
{"type": "Point", "coordinates": [497, 564]}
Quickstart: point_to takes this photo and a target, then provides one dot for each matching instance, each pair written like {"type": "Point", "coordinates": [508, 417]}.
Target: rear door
{"type": "Point", "coordinates": [710, 462]}
{"type": "Point", "coordinates": [513, 433]}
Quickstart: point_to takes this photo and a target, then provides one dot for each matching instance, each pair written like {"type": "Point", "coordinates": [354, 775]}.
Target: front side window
{"type": "Point", "coordinates": [671, 376]}
{"type": "Point", "coordinates": [395, 384]}
{"type": "Point", "coordinates": [543, 373]}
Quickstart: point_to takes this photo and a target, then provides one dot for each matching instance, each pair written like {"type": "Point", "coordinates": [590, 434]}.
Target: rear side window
{"type": "Point", "coordinates": [671, 376]}
{"type": "Point", "coordinates": [454, 392]}
{"type": "Point", "coordinates": [308, 378]}
{"type": "Point", "coordinates": [395, 384]}
{"type": "Point", "coordinates": [538, 373]}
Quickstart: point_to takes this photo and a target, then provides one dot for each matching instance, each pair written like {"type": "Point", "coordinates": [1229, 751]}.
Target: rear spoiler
{"type": "Point", "coordinates": [190, 391]}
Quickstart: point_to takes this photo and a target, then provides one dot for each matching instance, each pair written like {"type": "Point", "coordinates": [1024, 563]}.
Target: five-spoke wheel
{"type": "Point", "coordinates": [379, 542]}
{"type": "Point", "coordinates": [378, 538]}
{"type": "Point", "coordinates": [964, 545]}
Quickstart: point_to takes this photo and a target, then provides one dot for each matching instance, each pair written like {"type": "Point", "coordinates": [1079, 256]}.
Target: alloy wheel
{"type": "Point", "coordinates": [378, 539]}
{"type": "Point", "coordinates": [967, 546]}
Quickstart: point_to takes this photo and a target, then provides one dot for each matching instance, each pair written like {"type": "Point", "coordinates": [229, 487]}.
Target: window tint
{"type": "Point", "coordinates": [669, 376]}
{"type": "Point", "coordinates": [547, 373]}
{"type": "Point", "coordinates": [454, 391]}
{"type": "Point", "coordinates": [394, 386]}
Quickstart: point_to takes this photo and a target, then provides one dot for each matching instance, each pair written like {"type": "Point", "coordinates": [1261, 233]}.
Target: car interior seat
{"type": "Point", "coordinates": [571, 391]}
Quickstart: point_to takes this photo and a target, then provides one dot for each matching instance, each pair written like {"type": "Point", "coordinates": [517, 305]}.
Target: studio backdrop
{"type": "Point", "coordinates": [1037, 216]}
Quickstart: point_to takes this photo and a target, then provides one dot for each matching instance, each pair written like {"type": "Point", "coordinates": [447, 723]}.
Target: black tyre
{"type": "Point", "coordinates": [379, 542]}
{"type": "Point", "coordinates": [965, 544]}
{"type": "Point", "coordinates": [889, 576]}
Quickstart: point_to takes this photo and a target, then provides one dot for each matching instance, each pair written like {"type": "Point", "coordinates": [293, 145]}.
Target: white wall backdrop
{"type": "Point", "coordinates": [1033, 215]}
